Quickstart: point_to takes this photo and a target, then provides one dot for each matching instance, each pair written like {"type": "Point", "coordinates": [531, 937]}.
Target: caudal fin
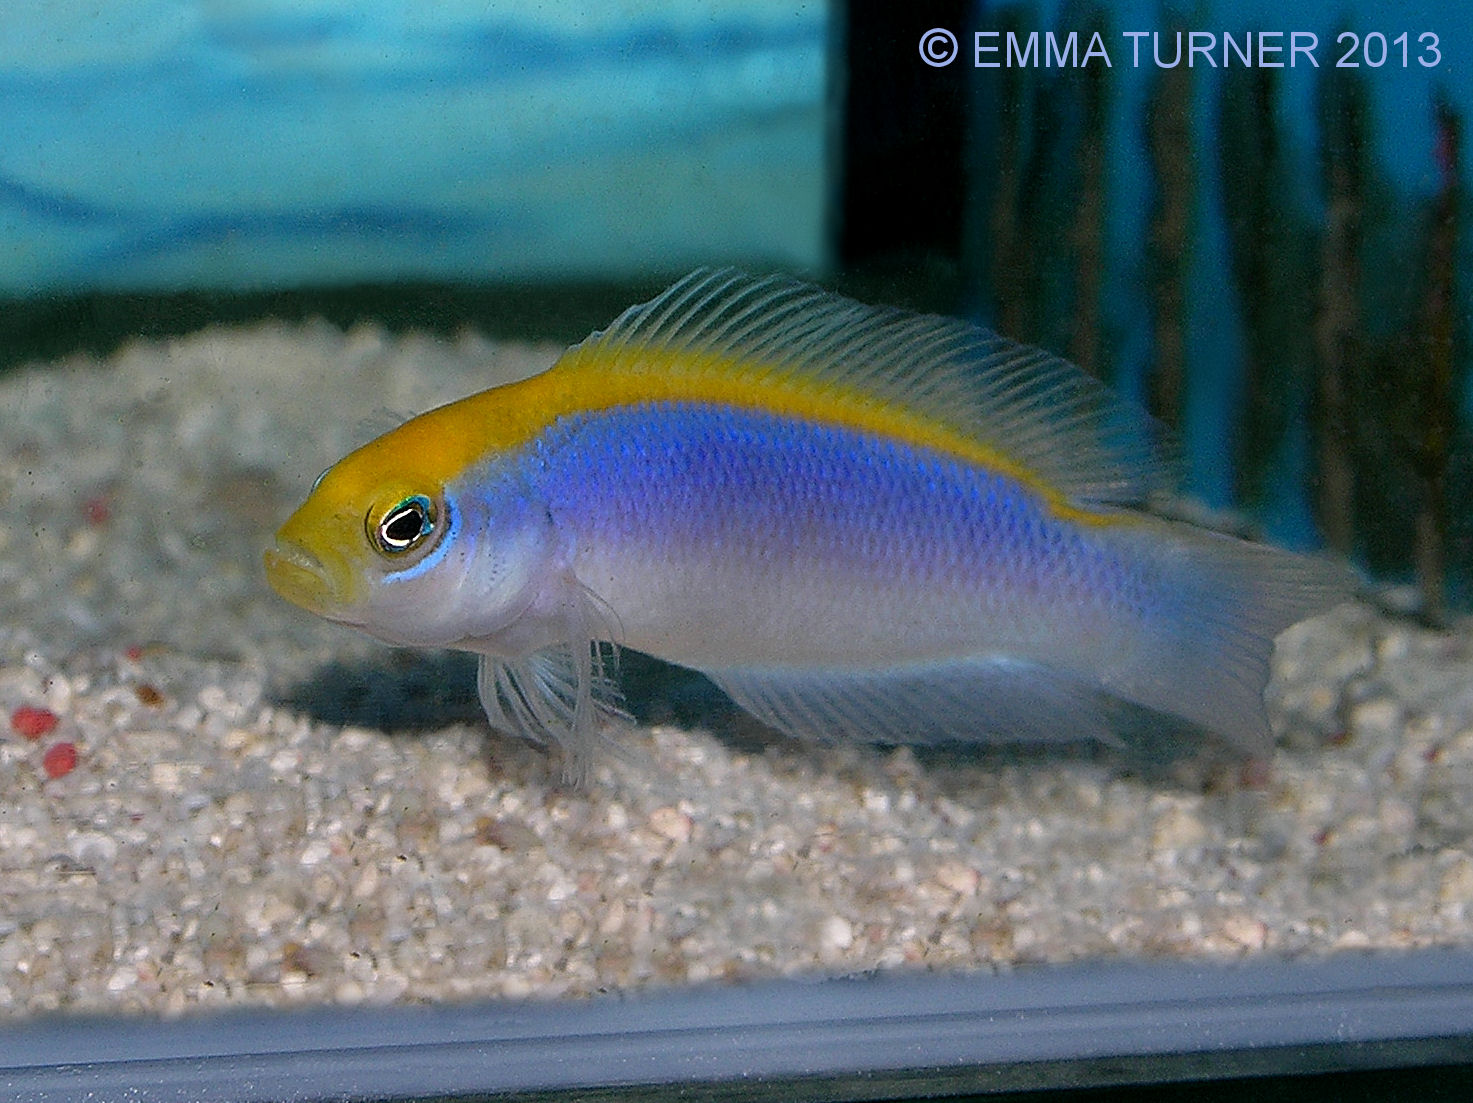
{"type": "Point", "coordinates": [1205, 649]}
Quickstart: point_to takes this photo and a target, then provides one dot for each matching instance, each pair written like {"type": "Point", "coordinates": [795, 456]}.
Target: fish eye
{"type": "Point", "coordinates": [404, 526]}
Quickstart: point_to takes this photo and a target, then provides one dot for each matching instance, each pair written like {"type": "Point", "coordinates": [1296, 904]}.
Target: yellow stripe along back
{"type": "Point", "coordinates": [594, 376]}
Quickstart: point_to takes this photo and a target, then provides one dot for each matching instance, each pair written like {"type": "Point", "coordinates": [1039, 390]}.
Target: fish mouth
{"type": "Point", "coordinates": [303, 579]}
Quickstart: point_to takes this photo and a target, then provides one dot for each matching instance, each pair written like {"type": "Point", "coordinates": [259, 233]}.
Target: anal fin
{"type": "Point", "coordinates": [991, 698]}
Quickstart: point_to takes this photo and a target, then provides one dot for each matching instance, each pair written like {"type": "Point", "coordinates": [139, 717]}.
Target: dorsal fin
{"type": "Point", "coordinates": [1044, 414]}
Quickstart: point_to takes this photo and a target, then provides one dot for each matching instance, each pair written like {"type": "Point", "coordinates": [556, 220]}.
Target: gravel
{"type": "Point", "coordinates": [269, 810]}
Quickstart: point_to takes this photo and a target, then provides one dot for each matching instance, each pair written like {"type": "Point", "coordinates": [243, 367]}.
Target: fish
{"type": "Point", "coordinates": [859, 522]}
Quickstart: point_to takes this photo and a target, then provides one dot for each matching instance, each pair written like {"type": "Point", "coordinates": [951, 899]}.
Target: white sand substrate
{"type": "Point", "coordinates": [267, 809]}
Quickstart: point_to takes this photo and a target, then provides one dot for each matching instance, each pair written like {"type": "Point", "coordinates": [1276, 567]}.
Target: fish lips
{"type": "Point", "coordinates": [304, 579]}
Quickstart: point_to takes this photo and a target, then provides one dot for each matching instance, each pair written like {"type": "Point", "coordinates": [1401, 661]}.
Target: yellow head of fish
{"type": "Point", "coordinates": [389, 541]}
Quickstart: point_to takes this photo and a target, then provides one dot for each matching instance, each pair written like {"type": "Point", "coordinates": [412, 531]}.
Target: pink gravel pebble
{"type": "Point", "coordinates": [33, 722]}
{"type": "Point", "coordinates": [60, 759]}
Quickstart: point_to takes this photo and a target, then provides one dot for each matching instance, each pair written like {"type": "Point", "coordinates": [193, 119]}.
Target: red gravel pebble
{"type": "Point", "coordinates": [60, 759]}
{"type": "Point", "coordinates": [33, 722]}
{"type": "Point", "coordinates": [98, 510]}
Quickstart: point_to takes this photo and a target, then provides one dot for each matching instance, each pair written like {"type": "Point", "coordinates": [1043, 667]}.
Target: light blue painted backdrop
{"type": "Point", "coordinates": [158, 144]}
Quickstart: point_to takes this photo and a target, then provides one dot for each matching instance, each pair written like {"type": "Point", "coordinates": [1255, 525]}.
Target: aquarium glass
{"type": "Point", "coordinates": [856, 732]}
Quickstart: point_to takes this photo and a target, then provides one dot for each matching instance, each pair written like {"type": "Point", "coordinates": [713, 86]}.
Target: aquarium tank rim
{"type": "Point", "coordinates": [1079, 1025]}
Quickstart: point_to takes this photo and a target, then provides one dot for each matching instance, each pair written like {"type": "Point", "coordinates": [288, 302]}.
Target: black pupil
{"type": "Point", "coordinates": [406, 526]}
